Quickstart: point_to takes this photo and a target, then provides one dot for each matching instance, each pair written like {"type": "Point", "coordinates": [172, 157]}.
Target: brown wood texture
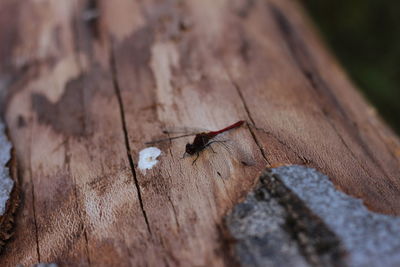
{"type": "Point", "coordinates": [90, 81]}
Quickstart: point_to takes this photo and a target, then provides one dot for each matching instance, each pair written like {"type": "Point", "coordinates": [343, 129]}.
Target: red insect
{"type": "Point", "coordinates": [202, 140]}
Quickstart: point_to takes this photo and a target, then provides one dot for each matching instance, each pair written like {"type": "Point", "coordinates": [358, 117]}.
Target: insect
{"type": "Point", "coordinates": [202, 140]}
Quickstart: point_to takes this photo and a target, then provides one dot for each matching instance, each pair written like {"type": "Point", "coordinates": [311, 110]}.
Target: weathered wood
{"type": "Point", "coordinates": [89, 82]}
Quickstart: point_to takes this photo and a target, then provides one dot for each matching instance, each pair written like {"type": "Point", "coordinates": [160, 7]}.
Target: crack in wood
{"type": "Point", "coordinates": [175, 213]}
{"type": "Point", "coordinates": [303, 59]}
{"type": "Point", "coordinates": [303, 159]}
{"type": "Point", "coordinates": [305, 63]}
{"type": "Point", "coordinates": [77, 206]}
{"type": "Point", "coordinates": [250, 117]}
{"type": "Point", "coordinates": [126, 137]}
{"type": "Point", "coordinates": [253, 124]}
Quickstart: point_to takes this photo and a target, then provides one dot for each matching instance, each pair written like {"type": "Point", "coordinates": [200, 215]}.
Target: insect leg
{"type": "Point", "coordinates": [183, 156]}
{"type": "Point", "coordinates": [197, 156]}
{"type": "Point", "coordinates": [211, 148]}
{"type": "Point", "coordinates": [222, 143]}
{"type": "Point", "coordinates": [215, 141]}
{"type": "Point", "coordinates": [209, 144]}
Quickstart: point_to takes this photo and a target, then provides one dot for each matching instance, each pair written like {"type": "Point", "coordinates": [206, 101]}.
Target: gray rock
{"type": "Point", "coordinates": [371, 239]}
{"type": "Point", "coordinates": [257, 224]}
{"type": "Point", "coordinates": [6, 183]}
{"type": "Point", "coordinates": [296, 217]}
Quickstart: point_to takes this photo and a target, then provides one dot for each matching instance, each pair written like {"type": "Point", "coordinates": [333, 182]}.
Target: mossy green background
{"type": "Point", "coordinates": [365, 36]}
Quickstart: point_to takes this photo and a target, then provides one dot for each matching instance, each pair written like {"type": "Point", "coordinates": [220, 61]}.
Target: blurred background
{"type": "Point", "coordinates": [365, 36]}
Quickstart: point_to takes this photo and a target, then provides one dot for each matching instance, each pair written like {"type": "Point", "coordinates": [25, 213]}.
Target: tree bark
{"type": "Point", "coordinates": [88, 82]}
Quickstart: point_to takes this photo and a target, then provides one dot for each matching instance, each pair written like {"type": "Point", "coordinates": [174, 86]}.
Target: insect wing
{"type": "Point", "coordinates": [174, 133]}
{"type": "Point", "coordinates": [183, 130]}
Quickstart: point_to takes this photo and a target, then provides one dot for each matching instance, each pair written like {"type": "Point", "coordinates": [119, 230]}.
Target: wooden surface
{"type": "Point", "coordinates": [90, 81]}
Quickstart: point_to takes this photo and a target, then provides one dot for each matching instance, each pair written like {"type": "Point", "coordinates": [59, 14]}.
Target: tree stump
{"type": "Point", "coordinates": [86, 83]}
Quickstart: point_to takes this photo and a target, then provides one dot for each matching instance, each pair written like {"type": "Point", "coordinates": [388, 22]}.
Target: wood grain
{"type": "Point", "coordinates": [89, 82]}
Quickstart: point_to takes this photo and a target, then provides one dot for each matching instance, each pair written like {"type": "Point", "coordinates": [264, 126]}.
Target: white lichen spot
{"type": "Point", "coordinates": [6, 183]}
{"type": "Point", "coordinates": [148, 158]}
